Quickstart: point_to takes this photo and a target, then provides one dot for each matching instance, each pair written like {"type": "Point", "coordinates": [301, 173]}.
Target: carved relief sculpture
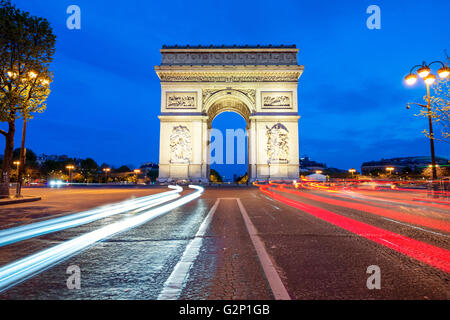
{"type": "Point", "coordinates": [276, 100]}
{"type": "Point", "coordinates": [277, 143]}
{"type": "Point", "coordinates": [180, 145]}
{"type": "Point", "coordinates": [208, 93]}
{"type": "Point", "coordinates": [263, 76]}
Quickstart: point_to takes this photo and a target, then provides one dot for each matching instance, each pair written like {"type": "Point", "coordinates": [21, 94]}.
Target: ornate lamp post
{"type": "Point", "coordinates": [137, 171]}
{"type": "Point", "coordinates": [352, 171]}
{"type": "Point", "coordinates": [70, 167]}
{"type": "Point", "coordinates": [390, 169]}
{"type": "Point", "coordinates": [424, 71]}
{"type": "Point", "coordinates": [17, 163]}
{"type": "Point", "coordinates": [106, 170]}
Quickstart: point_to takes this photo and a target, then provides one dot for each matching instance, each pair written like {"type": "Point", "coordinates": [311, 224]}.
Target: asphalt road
{"type": "Point", "coordinates": [206, 249]}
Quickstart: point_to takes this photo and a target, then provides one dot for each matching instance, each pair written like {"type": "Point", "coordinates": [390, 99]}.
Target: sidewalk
{"type": "Point", "coordinates": [58, 202]}
{"type": "Point", "coordinates": [13, 200]}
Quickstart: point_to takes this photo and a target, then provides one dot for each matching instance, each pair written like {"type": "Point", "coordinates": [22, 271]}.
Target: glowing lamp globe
{"type": "Point", "coordinates": [444, 72]}
{"type": "Point", "coordinates": [429, 79]}
{"type": "Point", "coordinates": [410, 79]}
{"type": "Point", "coordinates": [423, 72]}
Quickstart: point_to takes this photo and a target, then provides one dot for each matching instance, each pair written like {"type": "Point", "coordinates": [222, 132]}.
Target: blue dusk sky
{"type": "Point", "coordinates": [352, 100]}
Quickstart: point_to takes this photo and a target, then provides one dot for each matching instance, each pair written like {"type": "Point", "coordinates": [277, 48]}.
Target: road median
{"type": "Point", "coordinates": [7, 201]}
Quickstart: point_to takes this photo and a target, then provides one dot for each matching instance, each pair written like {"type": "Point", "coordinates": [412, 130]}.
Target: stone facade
{"type": "Point", "coordinates": [199, 83]}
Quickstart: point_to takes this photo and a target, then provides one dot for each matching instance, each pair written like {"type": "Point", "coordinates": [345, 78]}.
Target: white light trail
{"type": "Point", "coordinates": [12, 235]}
{"type": "Point", "coordinates": [27, 267]}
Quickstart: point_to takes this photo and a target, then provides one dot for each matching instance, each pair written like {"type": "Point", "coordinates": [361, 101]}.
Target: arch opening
{"type": "Point", "coordinates": [228, 121]}
{"type": "Point", "coordinates": [228, 104]}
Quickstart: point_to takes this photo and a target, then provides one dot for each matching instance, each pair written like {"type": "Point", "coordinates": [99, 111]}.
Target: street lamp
{"type": "Point", "coordinates": [106, 170]}
{"type": "Point", "coordinates": [390, 169]}
{"type": "Point", "coordinates": [137, 171]}
{"type": "Point", "coordinates": [352, 171]}
{"type": "Point", "coordinates": [70, 167]}
{"type": "Point", "coordinates": [433, 167]}
{"type": "Point", "coordinates": [424, 71]}
{"type": "Point", "coordinates": [318, 171]}
{"type": "Point", "coordinates": [17, 163]}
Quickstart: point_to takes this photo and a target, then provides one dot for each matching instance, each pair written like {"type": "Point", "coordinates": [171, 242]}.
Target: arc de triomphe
{"type": "Point", "coordinates": [198, 83]}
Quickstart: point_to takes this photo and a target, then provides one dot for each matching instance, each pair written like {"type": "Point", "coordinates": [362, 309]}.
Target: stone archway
{"type": "Point", "coordinates": [198, 83]}
{"type": "Point", "coordinates": [229, 103]}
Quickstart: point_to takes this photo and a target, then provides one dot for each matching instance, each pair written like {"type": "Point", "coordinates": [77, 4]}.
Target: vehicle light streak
{"type": "Point", "coordinates": [402, 201]}
{"type": "Point", "coordinates": [27, 267]}
{"type": "Point", "coordinates": [432, 200]}
{"type": "Point", "coordinates": [422, 221]}
{"type": "Point", "coordinates": [12, 235]}
{"type": "Point", "coordinates": [355, 195]}
{"type": "Point", "coordinates": [423, 252]}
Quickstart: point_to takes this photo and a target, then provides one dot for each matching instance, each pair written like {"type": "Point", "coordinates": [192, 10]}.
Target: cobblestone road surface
{"type": "Point", "coordinates": [313, 258]}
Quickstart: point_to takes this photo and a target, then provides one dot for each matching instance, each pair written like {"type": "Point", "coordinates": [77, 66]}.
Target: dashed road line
{"type": "Point", "coordinates": [415, 227]}
{"type": "Point", "coordinates": [177, 280]}
{"type": "Point", "coordinates": [276, 285]}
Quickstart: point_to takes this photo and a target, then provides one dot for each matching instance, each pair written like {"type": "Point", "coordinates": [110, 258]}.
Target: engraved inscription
{"type": "Point", "coordinates": [181, 100]}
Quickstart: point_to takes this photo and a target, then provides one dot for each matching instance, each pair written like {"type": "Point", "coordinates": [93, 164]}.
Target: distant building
{"type": "Point", "coordinates": [148, 166]}
{"type": "Point", "coordinates": [401, 164]}
{"type": "Point", "coordinates": [308, 165]}
{"type": "Point", "coordinates": [44, 157]}
{"type": "Point", "coordinates": [317, 177]}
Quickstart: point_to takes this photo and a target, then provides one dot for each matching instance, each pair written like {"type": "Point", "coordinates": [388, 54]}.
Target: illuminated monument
{"type": "Point", "coordinates": [257, 82]}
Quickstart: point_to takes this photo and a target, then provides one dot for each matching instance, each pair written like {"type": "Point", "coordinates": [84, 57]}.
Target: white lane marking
{"type": "Point", "coordinates": [177, 279]}
{"type": "Point", "coordinates": [268, 198]}
{"type": "Point", "coordinates": [415, 227]}
{"type": "Point", "coordinates": [276, 285]}
{"type": "Point", "coordinates": [22, 269]}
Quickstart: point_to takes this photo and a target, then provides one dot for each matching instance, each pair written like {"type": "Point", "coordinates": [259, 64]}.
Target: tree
{"type": "Point", "coordinates": [27, 46]}
{"type": "Point", "coordinates": [123, 169]}
{"type": "Point", "coordinates": [153, 174]}
{"type": "Point", "coordinates": [215, 176]}
{"type": "Point", "coordinates": [440, 109]}
{"type": "Point", "coordinates": [51, 166]}
{"type": "Point", "coordinates": [105, 166]}
{"type": "Point", "coordinates": [30, 157]}
{"type": "Point", "coordinates": [89, 165]}
{"type": "Point", "coordinates": [440, 171]}
{"type": "Point", "coordinates": [242, 179]}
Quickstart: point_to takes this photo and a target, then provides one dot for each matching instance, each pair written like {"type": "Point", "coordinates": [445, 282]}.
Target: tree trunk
{"type": "Point", "coordinates": [7, 159]}
{"type": "Point", "coordinates": [21, 160]}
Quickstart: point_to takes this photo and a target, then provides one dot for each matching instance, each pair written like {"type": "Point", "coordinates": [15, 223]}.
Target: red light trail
{"type": "Point", "coordinates": [431, 255]}
{"type": "Point", "coordinates": [422, 221]}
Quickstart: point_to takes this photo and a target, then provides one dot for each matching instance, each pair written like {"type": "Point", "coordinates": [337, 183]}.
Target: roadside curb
{"type": "Point", "coordinates": [15, 201]}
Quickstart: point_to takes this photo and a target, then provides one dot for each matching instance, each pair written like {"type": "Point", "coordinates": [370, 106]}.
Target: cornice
{"type": "Point", "coordinates": [254, 74]}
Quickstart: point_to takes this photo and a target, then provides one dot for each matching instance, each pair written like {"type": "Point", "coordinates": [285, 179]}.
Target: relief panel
{"type": "Point", "coordinates": [276, 100]}
{"type": "Point", "coordinates": [181, 100]}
